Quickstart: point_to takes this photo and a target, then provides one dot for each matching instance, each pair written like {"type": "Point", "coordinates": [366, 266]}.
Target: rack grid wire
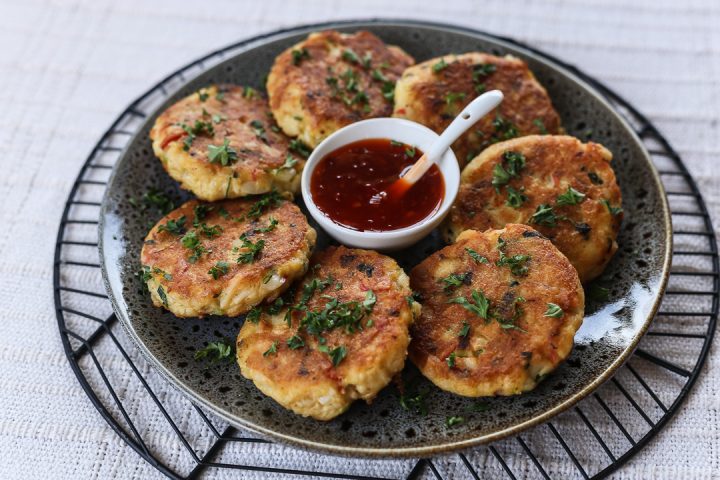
{"type": "Point", "coordinates": [591, 440]}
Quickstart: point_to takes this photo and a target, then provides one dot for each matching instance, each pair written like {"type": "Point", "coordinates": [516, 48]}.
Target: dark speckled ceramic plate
{"type": "Point", "coordinates": [636, 277]}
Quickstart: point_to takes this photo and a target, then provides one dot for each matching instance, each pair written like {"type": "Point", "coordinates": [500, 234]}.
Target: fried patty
{"type": "Point", "coordinates": [562, 187]}
{"type": "Point", "coordinates": [500, 310]}
{"type": "Point", "coordinates": [340, 336]}
{"type": "Point", "coordinates": [222, 142]}
{"type": "Point", "coordinates": [226, 257]}
{"type": "Point", "coordinates": [435, 91]}
{"type": "Point", "coordinates": [333, 79]}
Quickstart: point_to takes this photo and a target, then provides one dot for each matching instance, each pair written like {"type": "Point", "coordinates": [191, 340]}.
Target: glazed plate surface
{"type": "Point", "coordinates": [613, 325]}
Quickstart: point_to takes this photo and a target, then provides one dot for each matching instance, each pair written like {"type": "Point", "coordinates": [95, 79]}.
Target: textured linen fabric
{"type": "Point", "coordinates": [68, 68]}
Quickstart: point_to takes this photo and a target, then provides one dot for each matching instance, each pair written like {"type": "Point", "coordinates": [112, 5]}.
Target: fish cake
{"type": "Point", "coordinates": [500, 310]}
{"type": "Point", "coordinates": [333, 79]}
{"type": "Point", "coordinates": [226, 257]}
{"type": "Point", "coordinates": [560, 186]}
{"type": "Point", "coordinates": [222, 142]}
{"type": "Point", "coordinates": [435, 91]}
{"type": "Point", "coordinates": [346, 338]}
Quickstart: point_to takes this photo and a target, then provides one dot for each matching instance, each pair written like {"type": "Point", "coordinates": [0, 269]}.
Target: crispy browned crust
{"type": "Point", "coordinates": [303, 101]}
{"type": "Point", "coordinates": [421, 95]}
{"type": "Point", "coordinates": [189, 287]}
{"type": "Point", "coordinates": [553, 164]}
{"type": "Point", "coordinates": [231, 114]}
{"type": "Point", "coordinates": [305, 380]}
{"type": "Point", "coordinates": [491, 360]}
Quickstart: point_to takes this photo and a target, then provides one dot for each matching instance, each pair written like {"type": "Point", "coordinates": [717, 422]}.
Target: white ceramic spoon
{"type": "Point", "coordinates": [469, 116]}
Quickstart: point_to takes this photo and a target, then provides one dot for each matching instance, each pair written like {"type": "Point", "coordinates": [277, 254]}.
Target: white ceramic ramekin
{"type": "Point", "coordinates": [400, 130]}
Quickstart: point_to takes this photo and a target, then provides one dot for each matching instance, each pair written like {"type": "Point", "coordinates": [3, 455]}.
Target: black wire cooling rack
{"type": "Point", "coordinates": [591, 440]}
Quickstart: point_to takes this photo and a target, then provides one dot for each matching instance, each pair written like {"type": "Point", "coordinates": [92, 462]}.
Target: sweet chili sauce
{"type": "Point", "coordinates": [345, 180]}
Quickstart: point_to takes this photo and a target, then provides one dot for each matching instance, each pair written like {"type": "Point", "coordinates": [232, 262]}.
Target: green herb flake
{"type": "Point", "coordinates": [451, 360]}
{"type": "Point", "coordinates": [253, 315]}
{"type": "Point", "coordinates": [350, 56]}
{"type": "Point", "coordinates": [271, 226]}
{"type": "Point", "coordinates": [300, 148]}
{"type": "Point", "coordinates": [163, 296]}
{"type": "Point", "coordinates": [553, 311]}
{"type": "Point", "coordinates": [215, 351]}
{"type": "Point", "coordinates": [414, 402]}
{"type": "Point", "coordinates": [479, 307]}
{"type": "Point", "coordinates": [224, 154]}
{"type": "Point", "coordinates": [454, 421]}
{"type": "Point", "coordinates": [268, 200]}
{"type": "Point", "coordinates": [570, 197]}
{"type": "Point", "coordinates": [249, 92]}
{"type": "Point", "coordinates": [544, 215]}
{"type": "Point", "coordinates": [540, 126]}
{"type": "Point", "coordinates": [191, 241]}
{"type": "Point", "coordinates": [614, 211]}
{"type": "Point", "coordinates": [515, 197]}
{"type": "Point", "coordinates": [295, 342]}
{"type": "Point", "coordinates": [252, 250]}
{"type": "Point", "coordinates": [476, 256]}
{"type": "Point", "coordinates": [174, 226]}
{"type": "Point", "coordinates": [410, 152]}
{"type": "Point", "coordinates": [336, 354]}
{"type": "Point", "coordinates": [439, 66]}
{"type": "Point", "coordinates": [299, 55]}
{"type": "Point", "coordinates": [454, 280]}
{"type": "Point", "coordinates": [464, 330]}
{"type": "Point", "coordinates": [452, 97]}
{"type": "Point", "coordinates": [203, 94]}
{"type": "Point", "coordinates": [218, 270]}
{"type": "Point", "coordinates": [272, 350]}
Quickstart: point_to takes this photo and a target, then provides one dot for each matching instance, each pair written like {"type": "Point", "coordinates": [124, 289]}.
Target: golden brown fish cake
{"type": "Point", "coordinates": [222, 142]}
{"type": "Point", "coordinates": [435, 91]}
{"type": "Point", "coordinates": [500, 310]}
{"type": "Point", "coordinates": [333, 79]}
{"type": "Point", "coordinates": [226, 257]}
{"type": "Point", "coordinates": [583, 223]}
{"type": "Point", "coordinates": [360, 303]}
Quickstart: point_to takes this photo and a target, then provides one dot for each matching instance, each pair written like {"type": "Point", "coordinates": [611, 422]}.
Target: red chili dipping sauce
{"type": "Point", "coordinates": [345, 180]}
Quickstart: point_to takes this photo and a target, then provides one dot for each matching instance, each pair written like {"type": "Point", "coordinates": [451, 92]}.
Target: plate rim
{"type": "Point", "coordinates": [413, 451]}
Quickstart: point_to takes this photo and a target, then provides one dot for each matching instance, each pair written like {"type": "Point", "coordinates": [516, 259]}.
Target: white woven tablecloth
{"type": "Point", "coordinates": [67, 68]}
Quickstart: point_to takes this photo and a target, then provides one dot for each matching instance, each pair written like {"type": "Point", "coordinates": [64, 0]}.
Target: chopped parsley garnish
{"type": "Point", "coordinates": [479, 308]}
{"type": "Point", "coordinates": [336, 354]}
{"type": "Point", "coordinates": [252, 249]}
{"type": "Point", "coordinates": [162, 295]}
{"type": "Point", "coordinates": [271, 226]}
{"type": "Point", "coordinates": [295, 342]}
{"type": "Point", "coordinates": [414, 402]}
{"type": "Point", "coordinates": [311, 287]}
{"type": "Point", "coordinates": [216, 351]}
{"type": "Point", "coordinates": [507, 168]}
{"type": "Point", "coordinates": [614, 211]}
{"type": "Point", "coordinates": [210, 231]}
{"type": "Point", "coordinates": [224, 154]}
{"type": "Point", "coordinates": [504, 129]}
{"type": "Point", "coordinates": [452, 97]}
{"type": "Point", "coordinates": [191, 241]}
{"type": "Point", "coordinates": [451, 360]}
{"type": "Point", "coordinates": [540, 126]}
{"type": "Point", "coordinates": [300, 148]}
{"type": "Point", "coordinates": [249, 92]}
{"type": "Point", "coordinates": [155, 197]}
{"type": "Point", "coordinates": [570, 197]}
{"type": "Point", "coordinates": [410, 152]}
{"type": "Point", "coordinates": [515, 197]}
{"type": "Point", "coordinates": [517, 263]}
{"type": "Point", "coordinates": [464, 330]}
{"type": "Point", "coordinates": [476, 256]}
{"type": "Point", "coordinates": [553, 310]}
{"type": "Point", "coordinates": [218, 270]}
{"type": "Point", "coordinates": [224, 213]}
{"type": "Point", "coordinates": [254, 315]}
{"type": "Point", "coordinates": [203, 94]}
{"type": "Point", "coordinates": [544, 215]}
{"type": "Point", "coordinates": [453, 421]}
{"type": "Point", "coordinates": [395, 143]}
{"type": "Point", "coordinates": [350, 56]}
{"type": "Point", "coordinates": [200, 127]}
{"type": "Point", "coordinates": [272, 350]}
{"type": "Point", "coordinates": [220, 96]}
{"type": "Point", "coordinates": [598, 293]}
{"type": "Point", "coordinates": [482, 70]}
{"type": "Point", "coordinates": [454, 280]}
{"type": "Point", "coordinates": [289, 163]}
{"type": "Point", "coordinates": [500, 315]}
{"type": "Point", "coordinates": [259, 130]}
{"type": "Point", "coordinates": [439, 66]}
{"type": "Point", "coordinates": [299, 55]}
{"type": "Point", "coordinates": [175, 227]}
{"type": "Point", "coordinates": [271, 199]}
{"type": "Point", "coordinates": [200, 211]}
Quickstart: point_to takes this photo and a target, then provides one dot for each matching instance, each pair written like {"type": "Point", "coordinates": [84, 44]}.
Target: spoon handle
{"type": "Point", "coordinates": [473, 112]}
